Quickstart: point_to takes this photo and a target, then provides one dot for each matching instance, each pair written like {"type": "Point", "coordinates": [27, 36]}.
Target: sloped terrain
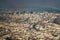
{"type": "Point", "coordinates": [42, 26]}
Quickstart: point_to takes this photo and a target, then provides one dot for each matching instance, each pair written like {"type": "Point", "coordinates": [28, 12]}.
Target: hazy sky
{"type": "Point", "coordinates": [29, 3]}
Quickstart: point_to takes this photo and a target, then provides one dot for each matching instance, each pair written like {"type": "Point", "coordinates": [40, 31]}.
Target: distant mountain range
{"type": "Point", "coordinates": [41, 9]}
{"type": "Point", "coordinates": [55, 10]}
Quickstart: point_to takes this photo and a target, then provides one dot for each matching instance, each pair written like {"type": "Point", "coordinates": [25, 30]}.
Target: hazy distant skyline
{"type": "Point", "coordinates": [29, 3]}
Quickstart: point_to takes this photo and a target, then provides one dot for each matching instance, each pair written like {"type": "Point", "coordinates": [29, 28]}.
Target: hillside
{"type": "Point", "coordinates": [39, 26]}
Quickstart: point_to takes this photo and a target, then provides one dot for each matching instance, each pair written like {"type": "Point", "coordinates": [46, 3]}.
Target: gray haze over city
{"type": "Point", "coordinates": [29, 3]}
